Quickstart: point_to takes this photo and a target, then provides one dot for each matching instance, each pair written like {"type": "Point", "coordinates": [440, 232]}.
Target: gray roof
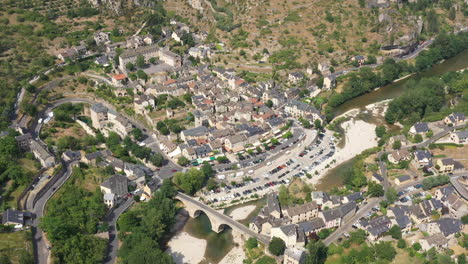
{"type": "Point", "coordinates": [304, 107]}
{"type": "Point", "coordinates": [117, 184]}
{"type": "Point", "coordinates": [196, 131]}
{"type": "Point", "coordinates": [296, 254]}
{"type": "Point", "coordinates": [99, 108]}
{"type": "Point", "coordinates": [421, 127]}
{"type": "Point", "coordinates": [13, 216]}
{"type": "Point", "coordinates": [462, 134]}
{"type": "Point", "coordinates": [379, 225]}
{"type": "Point", "coordinates": [273, 203]}
{"type": "Point", "coordinates": [449, 226]}
{"type": "Point", "coordinates": [312, 225]}
{"type": "Point", "coordinates": [354, 196]}
{"type": "Point", "coordinates": [422, 154]}
{"type": "Point", "coordinates": [339, 211]}
{"type": "Point", "coordinates": [404, 178]}
{"type": "Point", "coordinates": [378, 177]}
{"type": "Point", "coordinates": [302, 208]}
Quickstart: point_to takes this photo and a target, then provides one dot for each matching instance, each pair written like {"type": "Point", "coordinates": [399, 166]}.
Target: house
{"type": "Point", "coordinates": [359, 59]}
{"type": "Point", "coordinates": [323, 66]}
{"type": "Point", "coordinates": [102, 61]}
{"type": "Point", "coordinates": [456, 205]}
{"type": "Point", "coordinates": [148, 52]}
{"type": "Point", "coordinates": [422, 212]}
{"type": "Point", "coordinates": [459, 137]}
{"type": "Point", "coordinates": [378, 226]}
{"type": "Point", "coordinates": [150, 188]}
{"type": "Point", "coordinates": [200, 132]}
{"type": "Point", "coordinates": [293, 255]}
{"type": "Point", "coordinates": [444, 192]}
{"type": "Point", "coordinates": [455, 119]}
{"type": "Point", "coordinates": [235, 143]}
{"type": "Point", "coordinates": [446, 226]}
{"type": "Point", "coordinates": [399, 215]}
{"type": "Point", "coordinates": [397, 156]}
{"type": "Point", "coordinates": [419, 128]}
{"type": "Point", "coordinates": [71, 156]}
{"type": "Point", "coordinates": [142, 103]}
{"type": "Point", "coordinates": [13, 217]}
{"type": "Point", "coordinates": [329, 82]}
{"type": "Point", "coordinates": [118, 79]}
{"type": "Point", "coordinates": [295, 77]}
{"type": "Point", "coordinates": [423, 158]}
{"type": "Point", "coordinates": [292, 235]}
{"type": "Point", "coordinates": [300, 109]}
{"type": "Point", "coordinates": [98, 115]}
{"type": "Point", "coordinates": [80, 49]}
{"type": "Point", "coordinates": [116, 184]}
{"type": "Point", "coordinates": [24, 141]}
{"type": "Point", "coordinates": [377, 178]}
{"type": "Point", "coordinates": [312, 226]}
{"type": "Point", "coordinates": [301, 213]}
{"type": "Point", "coordinates": [95, 157]}
{"type": "Point", "coordinates": [134, 171]}
{"type": "Point", "coordinates": [446, 165]}
{"type": "Point", "coordinates": [273, 206]}
{"type": "Point", "coordinates": [109, 199]}
{"type": "Point", "coordinates": [402, 179]}
{"type": "Point", "coordinates": [437, 241]}
{"type": "Point", "coordinates": [68, 54]}
{"type": "Point", "coordinates": [354, 197]}
{"type": "Point", "coordinates": [42, 154]}
{"type": "Point", "coordinates": [101, 37]}
{"type": "Point", "coordinates": [334, 217]}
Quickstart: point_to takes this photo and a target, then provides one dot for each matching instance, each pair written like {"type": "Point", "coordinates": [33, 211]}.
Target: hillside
{"type": "Point", "coordinates": [313, 31]}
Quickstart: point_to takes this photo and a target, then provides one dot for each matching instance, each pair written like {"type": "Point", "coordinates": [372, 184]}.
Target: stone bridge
{"type": "Point", "coordinates": [218, 220]}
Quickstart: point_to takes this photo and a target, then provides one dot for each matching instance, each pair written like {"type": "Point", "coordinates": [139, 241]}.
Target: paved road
{"type": "Point", "coordinates": [40, 245]}
{"type": "Point", "coordinates": [111, 219]}
{"type": "Point", "coordinates": [232, 223]}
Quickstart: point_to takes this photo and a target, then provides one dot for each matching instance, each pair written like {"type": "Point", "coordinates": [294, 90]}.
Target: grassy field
{"type": "Point", "coordinates": [12, 244]}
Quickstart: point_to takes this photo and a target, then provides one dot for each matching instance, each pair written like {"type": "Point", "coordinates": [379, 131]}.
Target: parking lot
{"type": "Point", "coordinates": [271, 174]}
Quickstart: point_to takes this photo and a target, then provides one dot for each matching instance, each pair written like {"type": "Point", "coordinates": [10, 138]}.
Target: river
{"type": "Point", "coordinates": [393, 90]}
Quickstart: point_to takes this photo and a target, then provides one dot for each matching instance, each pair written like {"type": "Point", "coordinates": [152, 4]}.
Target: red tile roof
{"type": "Point", "coordinates": [119, 77]}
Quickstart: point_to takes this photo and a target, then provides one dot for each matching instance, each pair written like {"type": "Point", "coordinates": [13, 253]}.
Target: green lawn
{"type": "Point", "coordinates": [12, 244]}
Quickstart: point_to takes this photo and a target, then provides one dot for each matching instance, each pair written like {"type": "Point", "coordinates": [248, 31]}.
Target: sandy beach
{"type": "Point", "coordinates": [359, 136]}
{"type": "Point", "coordinates": [241, 213]}
{"type": "Point", "coordinates": [237, 254]}
{"type": "Point", "coordinates": [187, 249]}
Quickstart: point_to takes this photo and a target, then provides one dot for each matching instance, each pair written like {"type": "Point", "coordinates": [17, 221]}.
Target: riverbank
{"type": "Point", "coordinates": [185, 248]}
{"type": "Point", "coordinates": [242, 213]}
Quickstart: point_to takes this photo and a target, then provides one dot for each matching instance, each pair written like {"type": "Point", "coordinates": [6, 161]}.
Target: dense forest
{"type": "Point", "coordinates": [427, 99]}
{"type": "Point", "coordinates": [144, 229]}
{"type": "Point", "coordinates": [73, 216]}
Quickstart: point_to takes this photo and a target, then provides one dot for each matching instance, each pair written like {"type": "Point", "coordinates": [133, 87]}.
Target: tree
{"type": "Point", "coordinates": [157, 159]}
{"type": "Point", "coordinates": [189, 182]}
{"type": "Point", "coordinates": [137, 134]}
{"type": "Point", "coordinates": [142, 75]}
{"type": "Point", "coordinates": [375, 190]}
{"type": "Point", "coordinates": [396, 144]}
{"type": "Point", "coordinates": [140, 61]}
{"type": "Point", "coordinates": [4, 259]}
{"type": "Point", "coordinates": [251, 243]}
{"type": "Point", "coordinates": [269, 103]}
{"type": "Point", "coordinates": [274, 141]}
{"type": "Point", "coordinates": [418, 138]}
{"type": "Point", "coordinates": [129, 66]}
{"type": "Point", "coordinates": [401, 243]}
{"type": "Point", "coordinates": [317, 253]}
{"type": "Point", "coordinates": [183, 161]}
{"type": "Point", "coordinates": [276, 246]}
{"type": "Point", "coordinates": [391, 195]}
{"type": "Point", "coordinates": [211, 184]}
{"type": "Point", "coordinates": [222, 159]}
{"type": "Point", "coordinates": [208, 170]}
{"type": "Point", "coordinates": [464, 219]}
{"type": "Point", "coordinates": [416, 246]}
{"type": "Point", "coordinates": [395, 232]}
{"type": "Point", "coordinates": [324, 233]}
{"type": "Point", "coordinates": [153, 60]}
{"type": "Point", "coordinates": [461, 259]}
{"type": "Point", "coordinates": [318, 124]}
{"type": "Point", "coordinates": [380, 131]}
{"type": "Point", "coordinates": [385, 250]}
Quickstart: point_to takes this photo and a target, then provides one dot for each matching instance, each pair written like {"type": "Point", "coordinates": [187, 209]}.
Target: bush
{"type": "Point", "coordinates": [276, 246]}
{"type": "Point", "coordinates": [251, 243]}
{"type": "Point", "coordinates": [401, 243]}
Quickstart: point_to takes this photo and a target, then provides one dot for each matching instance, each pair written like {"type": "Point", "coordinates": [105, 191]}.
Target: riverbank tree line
{"type": "Point", "coordinates": [430, 98]}
{"type": "Point", "coordinates": [365, 80]}
{"type": "Point", "coordinates": [145, 229]}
